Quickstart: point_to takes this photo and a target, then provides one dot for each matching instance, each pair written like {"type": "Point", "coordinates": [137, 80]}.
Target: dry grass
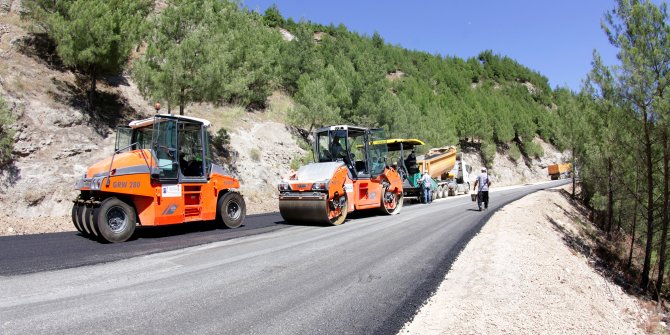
{"type": "Point", "coordinates": [255, 154]}
{"type": "Point", "coordinates": [653, 323]}
{"type": "Point", "coordinates": [279, 104]}
{"type": "Point", "coordinates": [234, 117]}
{"type": "Point", "coordinates": [227, 117]}
{"type": "Point", "coordinates": [14, 20]}
{"type": "Point", "coordinates": [18, 86]}
{"type": "Point", "coordinates": [33, 197]}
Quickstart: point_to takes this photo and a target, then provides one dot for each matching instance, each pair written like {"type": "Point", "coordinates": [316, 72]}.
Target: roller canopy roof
{"type": "Point", "coordinates": [151, 120]}
{"type": "Point", "coordinates": [394, 144]}
{"type": "Point", "coordinates": [344, 127]}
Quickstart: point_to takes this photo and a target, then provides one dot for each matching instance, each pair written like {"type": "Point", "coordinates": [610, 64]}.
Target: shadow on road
{"type": "Point", "coordinates": [172, 230]}
{"type": "Point", "coordinates": [306, 224]}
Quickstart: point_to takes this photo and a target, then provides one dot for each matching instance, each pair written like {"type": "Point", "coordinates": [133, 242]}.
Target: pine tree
{"type": "Point", "coordinates": [93, 36]}
{"type": "Point", "coordinates": [6, 134]}
{"type": "Point", "coordinates": [315, 105]}
{"type": "Point", "coordinates": [639, 30]}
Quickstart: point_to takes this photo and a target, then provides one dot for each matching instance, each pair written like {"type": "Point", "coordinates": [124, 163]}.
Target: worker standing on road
{"type": "Point", "coordinates": [426, 183]}
{"type": "Point", "coordinates": [483, 183]}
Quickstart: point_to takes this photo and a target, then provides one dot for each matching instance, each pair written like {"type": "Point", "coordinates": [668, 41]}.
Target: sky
{"type": "Point", "coordinates": [555, 38]}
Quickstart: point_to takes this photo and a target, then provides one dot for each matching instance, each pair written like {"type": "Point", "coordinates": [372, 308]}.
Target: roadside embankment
{"type": "Point", "coordinates": [519, 276]}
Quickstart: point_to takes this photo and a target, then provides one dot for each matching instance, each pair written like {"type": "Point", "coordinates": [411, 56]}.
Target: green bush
{"type": "Point", "coordinates": [300, 160]}
{"type": "Point", "coordinates": [488, 153]}
{"type": "Point", "coordinates": [514, 152]}
{"type": "Point", "coordinates": [6, 134]}
{"type": "Point", "coordinates": [533, 150]}
{"type": "Point", "coordinates": [220, 140]}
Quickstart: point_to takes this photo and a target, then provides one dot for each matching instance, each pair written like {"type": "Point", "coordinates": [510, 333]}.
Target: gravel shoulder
{"type": "Point", "coordinates": [518, 276]}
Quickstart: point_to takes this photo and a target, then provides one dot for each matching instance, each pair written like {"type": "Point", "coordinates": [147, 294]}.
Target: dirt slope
{"type": "Point", "coordinates": [57, 138]}
{"type": "Point", "coordinates": [518, 276]}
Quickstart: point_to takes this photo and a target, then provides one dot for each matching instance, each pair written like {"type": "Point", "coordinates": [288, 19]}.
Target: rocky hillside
{"type": "Point", "coordinates": [57, 137]}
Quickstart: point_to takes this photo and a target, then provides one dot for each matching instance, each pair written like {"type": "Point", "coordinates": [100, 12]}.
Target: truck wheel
{"type": "Point", "coordinates": [76, 219]}
{"type": "Point", "coordinates": [82, 222]}
{"type": "Point", "coordinates": [87, 219]}
{"type": "Point", "coordinates": [231, 209]}
{"type": "Point", "coordinates": [115, 220]}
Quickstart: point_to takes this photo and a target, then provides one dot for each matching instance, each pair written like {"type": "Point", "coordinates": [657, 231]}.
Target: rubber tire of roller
{"type": "Point", "coordinates": [100, 221]}
{"type": "Point", "coordinates": [75, 219]}
{"type": "Point", "coordinates": [87, 219]}
{"type": "Point", "coordinates": [80, 215]}
{"type": "Point", "coordinates": [228, 199]}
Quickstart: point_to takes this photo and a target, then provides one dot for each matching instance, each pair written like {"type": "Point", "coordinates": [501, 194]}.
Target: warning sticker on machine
{"type": "Point", "coordinates": [348, 187]}
{"type": "Point", "coordinates": [172, 191]}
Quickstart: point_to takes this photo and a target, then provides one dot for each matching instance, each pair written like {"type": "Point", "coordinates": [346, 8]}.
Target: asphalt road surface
{"type": "Point", "coordinates": [367, 276]}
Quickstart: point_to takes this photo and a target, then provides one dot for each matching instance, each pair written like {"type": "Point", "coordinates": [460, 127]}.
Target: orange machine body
{"type": "Point", "coordinates": [325, 191]}
{"type": "Point", "coordinates": [127, 175]}
{"type": "Point", "coordinates": [557, 171]}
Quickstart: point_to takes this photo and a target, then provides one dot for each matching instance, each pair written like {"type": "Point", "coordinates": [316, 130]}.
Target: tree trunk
{"type": "Point", "coordinates": [182, 102]}
{"type": "Point", "coordinates": [649, 171]}
{"type": "Point", "coordinates": [619, 214]}
{"type": "Point", "coordinates": [574, 174]}
{"type": "Point", "coordinates": [636, 203]}
{"type": "Point", "coordinates": [92, 89]}
{"type": "Point", "coordinates": [632, 237]}
{"type": "Point", "coordinates": [664, 223]}
{"type": "Point", "coordinates": [610, 199]}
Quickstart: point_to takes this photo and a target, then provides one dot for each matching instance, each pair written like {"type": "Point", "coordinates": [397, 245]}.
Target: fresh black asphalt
{"type": "Point", "coordinates": [43, 252]}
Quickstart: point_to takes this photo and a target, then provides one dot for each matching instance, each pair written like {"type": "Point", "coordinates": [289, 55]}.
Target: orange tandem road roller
{"type": "Point", "coordinates": [350, 173]}
{"type": "Point", "coordinates": [160, 174]}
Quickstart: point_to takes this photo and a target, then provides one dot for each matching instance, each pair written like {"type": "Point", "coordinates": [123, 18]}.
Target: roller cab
{"type": "Point", "coordinates": [160, 173]}
{"type": "Point", "coordinates": [350, 173]}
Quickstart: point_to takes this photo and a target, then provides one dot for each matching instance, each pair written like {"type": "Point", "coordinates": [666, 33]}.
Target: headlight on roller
{"type": "Point", "coordinates": [96, 183]}
{"type": "Point", "coordinates": [319, 186]}
{"type": "Point", "coordinates": [283, 187]}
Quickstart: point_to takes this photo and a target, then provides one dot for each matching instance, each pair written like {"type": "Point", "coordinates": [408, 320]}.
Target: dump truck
{"type": "Point", "coordinates": [450, 174]}
{"type": "Point", "coordinates": [439, 162]}
{"type": "Point", "coordinates": [459, 177]}
{"type": "Point", "coordinates": [349, 173]}
{"type": "Point", "coordinates": [559, 171]}
{"type": "Point", "coordinates": [159, 174]}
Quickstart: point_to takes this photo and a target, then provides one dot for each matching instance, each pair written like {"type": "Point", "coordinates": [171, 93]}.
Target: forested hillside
{"type": "Point", "coordinates": [218, 52]}
{"type": "Point", "coordinates": [340, 76]}
{"type": "Point", "coordinates": [618, 130]}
